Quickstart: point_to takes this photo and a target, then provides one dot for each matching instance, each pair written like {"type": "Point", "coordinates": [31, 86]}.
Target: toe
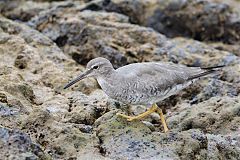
{"type": "Point", "coordinates": [130, 119]}
{"type": "Point", "coordinates": [123, 115]}
{"type": "Point", "coordinates": [166, 130]}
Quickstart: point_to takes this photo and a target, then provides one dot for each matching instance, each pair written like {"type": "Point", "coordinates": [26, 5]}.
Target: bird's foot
{"type": "Point", "coordinates": [140, 116]}
{"type": "Point", "coordinates": [129, 118]}
{"type": "Point", "coordinates": [154, 108]}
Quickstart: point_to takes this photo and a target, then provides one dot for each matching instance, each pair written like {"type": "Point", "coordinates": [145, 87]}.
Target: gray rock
{"type": "Point", "coordinates": [83, 43]}
{"type": "Point", "coordinates": [30, 96]}
{"type": "Point", "coordinates": [17, 145]}
{"type": "Point", "coordinates": [36, 62]}
{"type": "Point", "coordinates": [59, 139]}
{"type": "Point", "coordinates": [22, 10]}
{"type": "Point", "coordinates": [201, 20]}
{"type": "Point", "coordinates": [210, 116]}
{"type": "Point", "coordinates": [235, 49]}
{"type": "Point", "coordinates": [120, 140]}
{"type": "Point", "coordinates": [85, 109]}
{"type": "Point", "coordinates": [69, 33]}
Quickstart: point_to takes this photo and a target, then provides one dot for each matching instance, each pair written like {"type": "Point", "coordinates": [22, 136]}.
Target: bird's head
{"type": "Point", "coordinates": [95, 68]}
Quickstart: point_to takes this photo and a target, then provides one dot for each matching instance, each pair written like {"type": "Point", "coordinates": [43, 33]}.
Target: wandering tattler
{"type": "Point", "coordinates": [142, 83]}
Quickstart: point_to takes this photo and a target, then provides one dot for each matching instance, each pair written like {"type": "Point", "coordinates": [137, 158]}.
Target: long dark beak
{"type": "Point", "coordinates": [80, 77]}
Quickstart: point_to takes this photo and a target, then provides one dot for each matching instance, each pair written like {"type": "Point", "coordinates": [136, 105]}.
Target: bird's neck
{"type": "Point", "coordinates": [106, 81]}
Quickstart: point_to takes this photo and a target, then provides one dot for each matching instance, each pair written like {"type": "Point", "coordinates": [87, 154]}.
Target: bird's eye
{"type": "Point", "coordinates": [95, 67]}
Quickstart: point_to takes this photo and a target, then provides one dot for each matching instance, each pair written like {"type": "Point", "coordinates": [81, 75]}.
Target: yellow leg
{"type": "Point", "coordinates": [151, 110]}
{"type": "Point", "coordinates": [131, 118]}
{"type": "Point", "coordinates": [159, 111]}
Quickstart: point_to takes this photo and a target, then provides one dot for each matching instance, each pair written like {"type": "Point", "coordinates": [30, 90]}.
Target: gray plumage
{"type": "Point", "coordinates": [141, 83]}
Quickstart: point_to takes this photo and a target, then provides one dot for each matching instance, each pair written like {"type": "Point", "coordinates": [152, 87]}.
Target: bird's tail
{"type": "Point", "coordinates": [206, 71]}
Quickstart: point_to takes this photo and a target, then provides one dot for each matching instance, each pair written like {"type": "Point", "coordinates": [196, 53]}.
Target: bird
{"type": "Point", "coordinates": [144, 83]}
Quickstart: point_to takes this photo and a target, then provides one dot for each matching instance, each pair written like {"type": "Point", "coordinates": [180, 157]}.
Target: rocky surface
{"type": "Point", "coordinates": [45, 44]}
{"type": "Point", "coordinates": [17, 145]}
{"type": "Point", "coordinates": [202, 20]}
